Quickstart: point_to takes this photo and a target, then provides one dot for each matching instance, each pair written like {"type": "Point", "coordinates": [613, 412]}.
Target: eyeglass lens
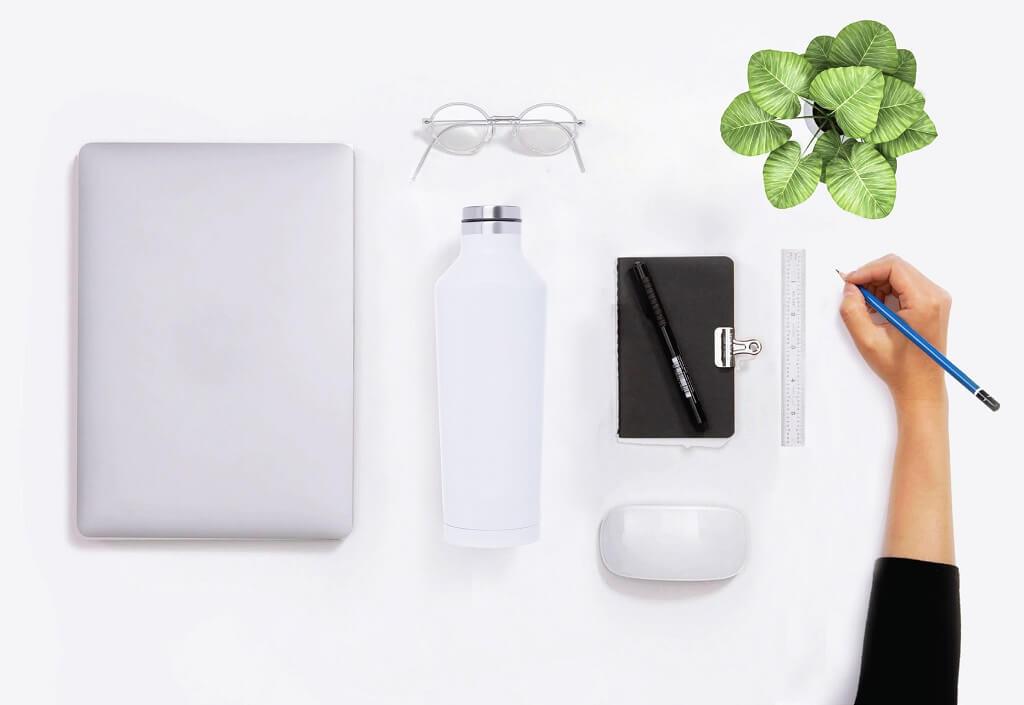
{"type": "Point", "coordinates": [461, 138]}
{"type": "Point", "coordinates": [547, 128]}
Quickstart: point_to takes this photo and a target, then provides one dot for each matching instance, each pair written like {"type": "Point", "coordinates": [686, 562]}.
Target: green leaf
{"type": "Point", "coordinates": [777, 79]}
{"type": "Point", "coordinates": [892, 163]}
{"type": "Point", "coordinates": [865, 43]}
{"type": "Point", "coordinates": [853, 94]}
{"type": "Point", "coordinates": [861, 181]}
{"type": "Point", "coordinates": [921, 134]}
{"type": "Point", "coordinates": [817, 52]}
{"type": "Point", "coordinates": [902, 105]}
{"type": "Point", "coordinates": [788, 179]}
{"type": "Point", "coordinates": [906, 68]}
{"type": "Point", "coordinates": [749, 130]}
{"type": "Point", "coordinates": [826, 147]}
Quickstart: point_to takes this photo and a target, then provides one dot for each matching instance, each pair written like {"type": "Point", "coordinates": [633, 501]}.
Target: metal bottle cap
{"type": "Point", "coordinates": [476, 214]}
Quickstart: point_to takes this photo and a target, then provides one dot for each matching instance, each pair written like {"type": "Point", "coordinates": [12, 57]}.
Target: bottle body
{"type": "Point", "coordinates": [490, 318]}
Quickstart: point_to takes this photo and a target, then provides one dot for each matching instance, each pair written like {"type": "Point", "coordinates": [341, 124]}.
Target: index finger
{"type": "Point", "coordinates": [900, 274]}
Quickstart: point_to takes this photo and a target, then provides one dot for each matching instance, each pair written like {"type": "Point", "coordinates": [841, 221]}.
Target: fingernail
{"type": "Point", "coordinates": [849, 289]}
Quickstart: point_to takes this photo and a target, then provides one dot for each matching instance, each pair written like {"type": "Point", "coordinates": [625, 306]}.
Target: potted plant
{"type": "Point", "coordinates": [858, 90]}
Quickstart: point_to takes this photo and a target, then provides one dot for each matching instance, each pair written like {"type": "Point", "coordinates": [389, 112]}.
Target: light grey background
{"type": "Point", "coordinates": [391, 615]}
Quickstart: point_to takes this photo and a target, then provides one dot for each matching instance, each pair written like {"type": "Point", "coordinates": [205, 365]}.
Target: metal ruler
{"type": "Point", "coordinates": [794, 288]}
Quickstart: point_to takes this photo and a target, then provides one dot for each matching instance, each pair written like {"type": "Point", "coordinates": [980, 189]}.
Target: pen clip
{"type": "Point", "coordinates": [648, 295]}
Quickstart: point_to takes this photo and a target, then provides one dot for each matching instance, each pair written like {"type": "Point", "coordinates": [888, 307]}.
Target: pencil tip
{"type": "Point", "coordinates": [840, 275]}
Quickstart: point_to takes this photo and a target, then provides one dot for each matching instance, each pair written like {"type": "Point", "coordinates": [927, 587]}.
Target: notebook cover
{"type": "Point", "coordinates": [697, 295]}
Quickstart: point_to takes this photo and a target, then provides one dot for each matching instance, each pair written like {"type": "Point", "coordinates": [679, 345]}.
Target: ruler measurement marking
{"type": "Point", "coordinates": [793, 334]}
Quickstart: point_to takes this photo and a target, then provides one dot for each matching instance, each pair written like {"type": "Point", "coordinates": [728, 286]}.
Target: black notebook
{"type": "Point", "coordinates": [697, 295]}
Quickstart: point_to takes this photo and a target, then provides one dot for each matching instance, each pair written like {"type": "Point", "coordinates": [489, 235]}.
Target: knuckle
{"type": "Point", "coordinates": [868, 346]}
{"type": "Point", "coordinates": [939, 300]}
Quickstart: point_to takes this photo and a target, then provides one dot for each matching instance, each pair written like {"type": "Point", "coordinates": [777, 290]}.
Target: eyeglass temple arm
{"type": "Point", "coordinates": [426, 153]}
{"type": "Point", "coordinates": [579, 159]}
{"type": "Point", "coordinates": [575, 147]}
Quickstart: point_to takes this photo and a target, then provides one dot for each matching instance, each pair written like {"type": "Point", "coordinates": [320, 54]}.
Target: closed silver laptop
{"type": "Point", "coordinates": [215, 335]}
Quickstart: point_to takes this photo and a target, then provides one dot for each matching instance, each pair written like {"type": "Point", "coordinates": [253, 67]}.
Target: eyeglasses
{"type": "Point", "coordinates": [546, 129]}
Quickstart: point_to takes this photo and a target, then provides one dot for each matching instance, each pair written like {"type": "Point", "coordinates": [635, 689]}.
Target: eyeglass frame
{"type": "Point", "coordinates": [492, 121]}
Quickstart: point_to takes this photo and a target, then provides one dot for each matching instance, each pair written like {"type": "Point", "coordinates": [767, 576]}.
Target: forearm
{"type": "Point", "coordinates": [912, 636]}
{"type": "Point", "coordinates": [920, 522]}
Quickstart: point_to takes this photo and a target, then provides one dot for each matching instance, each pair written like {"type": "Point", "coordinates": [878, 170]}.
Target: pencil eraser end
{"type": "Point", "coordinates": [987, 400]}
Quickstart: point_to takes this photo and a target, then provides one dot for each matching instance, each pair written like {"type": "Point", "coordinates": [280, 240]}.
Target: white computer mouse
{"type": "Point", "coordinates": [666, 542]}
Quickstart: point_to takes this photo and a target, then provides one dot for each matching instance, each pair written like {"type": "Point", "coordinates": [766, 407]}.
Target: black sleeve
{"type": "Point", "coordinates": [912, 638]}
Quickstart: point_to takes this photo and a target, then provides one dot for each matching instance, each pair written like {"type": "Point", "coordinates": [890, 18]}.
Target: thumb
{"type": "Point", "coordinates": [854, 311]}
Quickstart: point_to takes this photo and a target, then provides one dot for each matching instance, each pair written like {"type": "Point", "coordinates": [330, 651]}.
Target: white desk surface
{"type": "Point", "coordinates": [392, 615]}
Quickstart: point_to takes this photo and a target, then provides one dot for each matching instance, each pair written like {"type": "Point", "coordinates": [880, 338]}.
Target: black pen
{"type": "Point", "coordinates": [656, 313]}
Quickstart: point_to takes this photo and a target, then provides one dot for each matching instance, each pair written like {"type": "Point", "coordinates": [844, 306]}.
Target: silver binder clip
{"type": "Point", "coordinates": [727, 347]}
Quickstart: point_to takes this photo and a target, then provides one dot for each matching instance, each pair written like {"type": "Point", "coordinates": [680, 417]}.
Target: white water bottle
{"type": "Point", "coordinates": [490, 368]}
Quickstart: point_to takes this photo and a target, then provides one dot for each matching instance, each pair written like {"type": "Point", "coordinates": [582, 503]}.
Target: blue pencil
{"type": "Point", "coordinates": [928, 349]}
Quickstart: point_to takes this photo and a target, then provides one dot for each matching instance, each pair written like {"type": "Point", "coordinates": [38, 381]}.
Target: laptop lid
{"type": "Point", "coordinates": [215, 334]}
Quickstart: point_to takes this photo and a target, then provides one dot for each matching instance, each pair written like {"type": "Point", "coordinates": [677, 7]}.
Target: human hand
{"type": "Point", "coordinates": [910, 374]}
